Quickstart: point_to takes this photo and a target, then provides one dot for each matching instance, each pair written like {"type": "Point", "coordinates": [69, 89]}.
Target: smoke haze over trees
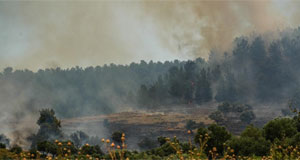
{"type": "Point", "coordinates": [257, 70]}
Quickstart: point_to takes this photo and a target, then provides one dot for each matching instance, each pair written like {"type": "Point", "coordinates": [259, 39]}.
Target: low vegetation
{"type": "Point", "coordinates": [278, 139]}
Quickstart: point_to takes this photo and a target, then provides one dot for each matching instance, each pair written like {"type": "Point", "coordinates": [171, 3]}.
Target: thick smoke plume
{"type": "Point", "coordinates": [49, 34]}
{"type": "Point", "coordinates": [62, 33]}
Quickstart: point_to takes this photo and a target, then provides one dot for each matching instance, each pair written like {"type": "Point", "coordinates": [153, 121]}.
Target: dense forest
{"type": "Point", "coordinates": [257, 70]}
{"type": "Point", "coordinates": [77, 91]}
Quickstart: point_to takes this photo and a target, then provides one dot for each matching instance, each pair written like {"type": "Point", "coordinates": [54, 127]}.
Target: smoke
{"type": "Point", "coordinates": [18, 112]}
{"type": "Point", "coordinates": [42, 34]}
{"type": "Point", "coordinates": [48, 34]}
{"type": "Point", "coordinates": [201, 26]}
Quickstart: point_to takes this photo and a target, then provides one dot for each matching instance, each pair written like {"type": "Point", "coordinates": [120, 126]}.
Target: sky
{"type": "Point", "coordinates": [55, 33]}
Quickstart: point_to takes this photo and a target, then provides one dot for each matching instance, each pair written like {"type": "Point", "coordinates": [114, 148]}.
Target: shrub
{"type": "Point", "coordinates": [247, 117]}
{"type": "Point", "coordinates": [161, 140]}
{"type": "Point", "coordinates": [116, 137]}
{"type": "Point", "coordinates": [16, 149]}
{"type": "Point", "coordinates": [217, 136]}
{"type": "Point", "coordinates": [279, 128]}
{"type": "Point", "coordinates": [246, 146]}
{"type": "Point", "coordinates": [250, 143]}
{"type": "Point", "coordinates": [147, 143]}
{"type": "Point", "coordinates": [91, 150]}
{"type": "Point", "coordinates": [5, 154]}
{"type": "Point", "coordinates": [2, 145]}
{"type": "Point", "coordinates": [47, 147]}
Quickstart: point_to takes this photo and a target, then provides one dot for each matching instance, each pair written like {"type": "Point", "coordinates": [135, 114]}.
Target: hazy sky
{"type": "Point", "coordinates": [41, 34]}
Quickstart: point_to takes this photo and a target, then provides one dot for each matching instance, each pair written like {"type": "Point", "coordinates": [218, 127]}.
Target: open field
{"type": "Point", "coordinates": [154, 123]}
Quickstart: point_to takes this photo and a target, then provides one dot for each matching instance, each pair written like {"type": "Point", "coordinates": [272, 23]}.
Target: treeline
{"type": "Point", "coordinates": [256, 70]}
{"type": "Point", "coordinates": [184, 84]}
{"type": "Point", "coordinates": [78, 91]}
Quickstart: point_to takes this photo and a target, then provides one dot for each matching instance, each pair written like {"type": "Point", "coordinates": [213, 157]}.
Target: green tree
{"type": "Point", "coordinates": [250, 143]}
{"type": "Point", "coordinates": [116, 137]}
{"type": "Point", "coordinates": [47, 147]}
{"type": "Point", "coordinates": [279, 128]}
{"type": "Point", "coordinates": [16, 149]}
{"type": "Point", "coordinates": [147, 143]}
{"type": "Point", "coordinates": [2, 145]}
{"type": "Point", "coordinates": [218, 136]}
{"type": "Point", "coordinates": [201, 134]}
{"type": "Point", "coordinates": [247, 117]}
{"type": "Point", "coordinates": [161, 140]}
{"type": "Point", "coordinates": [91, 150]}
{"type": "Point", "coordinates": [217, 116]}
{"type": "Point", "coordinates": [50, 127]}
{"type": "Point", "coordinates": [203, 88]}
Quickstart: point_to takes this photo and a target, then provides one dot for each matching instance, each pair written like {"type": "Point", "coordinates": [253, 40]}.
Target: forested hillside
{"type": "Point", "coordinates": [257, 70]}
{"type": "Point", "coordinates": [78, 91]}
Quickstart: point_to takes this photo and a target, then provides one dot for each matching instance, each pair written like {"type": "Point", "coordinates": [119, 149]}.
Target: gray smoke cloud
{"type": "Point", "coordinates": [47, 34]}
{"type": "Point", "coordinates": [41, 34]}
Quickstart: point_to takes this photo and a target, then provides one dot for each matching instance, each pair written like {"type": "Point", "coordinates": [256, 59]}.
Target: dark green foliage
{"type": "Point", "coordinates": [191, 125]}
{"type": "Point", "coordinates": [116, 137]}
{"type": "Point", "coordinates": [252, 132]}
{"type": "Point", "coordinates": [279, 128]}
{"type": "Point", "coordinates": [247, 117]}
{"type": "Point", "coordinates": [33, 151]}
{"type": "Point", "coordinates": [255, 71]}
{"type": "Point", "coordinates": [217, 117]}
{"type": "Point", "coordinates": [201, 132]}
{"type": "Point", "coordinates": [251, 142]}
{"type": "Point", "coordinates": [147, 143]}
{"type": "Point", "coordinates": [81, 91]}
{"type": "Point", "coordinates": [246, 146]}
{"type": "Point", "coordinates": [2, 145]}
{"type": "Point", "coordinates": [161, 140]}
{"type": "Point", "coordinates": [164, 150]}
{"type": "Point", "coordinates": [50, 128]}
{"type": "Point", "coordinates": [218, 135]}
{"type": "Point", "coordinates": [225, 107]}
{"type": "Point", "coordinates": [188, 84]}
{"type": "Point", "coordinates": [47, 147]}
{"type": "Point", "coordinates": [91, 150]}
{"type": "Point", "coordinates": [241, 112]}
{"type": "Point", "coordinates": [226, 89]}
{"type": "Point", "coordinates": [16, 149]}
{"type": "Point", "coordinates": [203, 88]}
{"type": "Point", "coordinates": [295, 140]}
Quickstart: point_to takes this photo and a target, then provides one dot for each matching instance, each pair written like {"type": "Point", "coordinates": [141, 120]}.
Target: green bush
{"type": "Point", "coordinates": [16, 149]}
{"type": "Point", "coordinates": [116, 137]}
{"type": "Point", "coordinates": [91, 150]}
{"type": "Point", "coordinates": [2, 145]}
{"type": "Point", "coordinates": [279, 128]}
{"type": "Point", "coordinates": [47, 147]}
{"type": "Point", "coordinates": [218, 135]}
